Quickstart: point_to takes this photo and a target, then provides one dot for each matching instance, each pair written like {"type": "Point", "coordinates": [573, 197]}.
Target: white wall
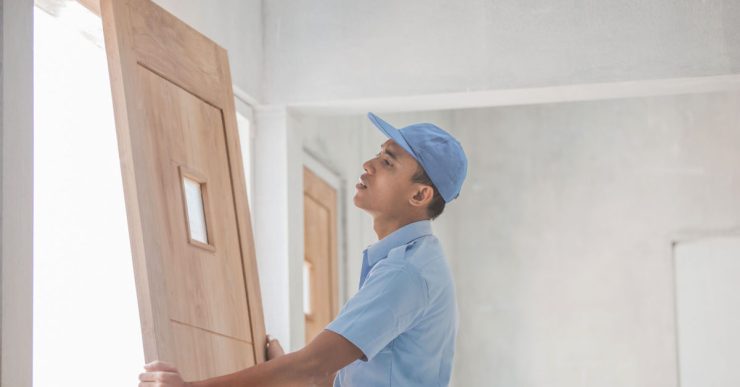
{"type": "Point", "coordinates": [278, 224]}
{"type": "Point", "coordinates": [235, 25]}
{"type": "Point", "coordinates": [339, 49]}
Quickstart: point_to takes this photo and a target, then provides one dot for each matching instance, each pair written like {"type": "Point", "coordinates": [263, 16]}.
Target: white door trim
{"type": "Point", "coordinates": [16, 184]}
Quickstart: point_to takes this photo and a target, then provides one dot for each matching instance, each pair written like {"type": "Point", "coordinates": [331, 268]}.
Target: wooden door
{"type": "Point", "coordinates": [189, 223]}
{"type": "Point", "coordinates": [320, 265]}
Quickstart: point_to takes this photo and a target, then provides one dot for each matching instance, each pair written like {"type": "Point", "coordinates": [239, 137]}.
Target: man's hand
{"type": "Point", "coordinates": [273, 348]}
{"type": "Point", "coordinates": [161, 374]}
{"type": "Point", "coordinates": [313, 365]}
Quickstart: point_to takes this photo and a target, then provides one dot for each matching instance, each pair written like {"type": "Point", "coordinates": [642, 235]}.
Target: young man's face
{"type": "Point", "coordinates": [386, 187]}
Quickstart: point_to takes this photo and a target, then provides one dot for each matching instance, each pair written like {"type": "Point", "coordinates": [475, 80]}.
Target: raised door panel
{"type": "Point", "coordinates": [185, 192]}
{"type": "Point", "coordinates": [320, 240]}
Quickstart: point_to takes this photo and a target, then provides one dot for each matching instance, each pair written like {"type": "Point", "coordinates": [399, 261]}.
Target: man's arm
{"type": "Point", "coordinates": [314, 364]}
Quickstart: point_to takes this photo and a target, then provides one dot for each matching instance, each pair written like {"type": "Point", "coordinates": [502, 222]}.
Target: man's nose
{"type": "Point", "coordinates": [368, 166]}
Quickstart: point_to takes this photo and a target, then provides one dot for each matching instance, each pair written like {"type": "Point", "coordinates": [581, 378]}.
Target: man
{"type": "Point", "coordinates": [399, 328]}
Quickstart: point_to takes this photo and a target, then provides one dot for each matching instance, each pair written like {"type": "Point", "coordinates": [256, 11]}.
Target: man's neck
{"type": "Point", "coordinates": [385, 226]}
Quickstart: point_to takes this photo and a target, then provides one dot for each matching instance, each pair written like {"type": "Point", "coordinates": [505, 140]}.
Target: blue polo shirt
{"type": "Point", "coordinates": [404, 316]}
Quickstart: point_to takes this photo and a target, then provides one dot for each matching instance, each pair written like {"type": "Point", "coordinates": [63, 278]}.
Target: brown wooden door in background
{"type": "Point", "coordinates": [320, 265]}
{"type": "Point", "coordinates": [186, 202]}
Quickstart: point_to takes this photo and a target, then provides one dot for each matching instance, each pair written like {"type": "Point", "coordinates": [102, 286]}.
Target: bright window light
{"type": "Point", "coordinates": [196, 214]}
{"type": "Point", "coordinates": [244, 126]}
{"type": "Point", "coordinates": [86, 325]}
{"type": "Point", "coordinates": [307, 288]}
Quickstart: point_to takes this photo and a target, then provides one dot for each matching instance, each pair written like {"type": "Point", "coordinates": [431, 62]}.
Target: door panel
{"type": "Point", "coordinates": [320, 239]}
{"type": "Point", "coordinates": [199, 299]}
{"type": "Point", "coordinates": [187, 135]}
{"type": "Point", "coordinates": [207, 354]}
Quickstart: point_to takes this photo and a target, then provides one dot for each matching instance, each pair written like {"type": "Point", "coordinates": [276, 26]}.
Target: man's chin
{"type": "Point", "coordinates": [356, 200]}
{"type": "Point", "coordinates": [359, 201]}
{"type": "Point", "coordinates": [365, 209]}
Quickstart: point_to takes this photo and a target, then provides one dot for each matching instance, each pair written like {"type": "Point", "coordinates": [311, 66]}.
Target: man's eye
{"type": "Point", "coordinates": [385, 161]}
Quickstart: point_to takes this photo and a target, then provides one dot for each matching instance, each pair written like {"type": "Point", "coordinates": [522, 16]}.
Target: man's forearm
{"type": "Point", "coordinates": [315, 364]}
{"type": "Point", "coordinates": [293, 369]}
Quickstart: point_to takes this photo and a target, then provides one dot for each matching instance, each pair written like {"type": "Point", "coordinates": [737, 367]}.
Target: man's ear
{"type": "Point", "coordinates": [423, 196]}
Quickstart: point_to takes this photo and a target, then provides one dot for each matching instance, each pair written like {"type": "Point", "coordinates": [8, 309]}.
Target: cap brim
{"type": "Point", "coordinates": [392, 133]}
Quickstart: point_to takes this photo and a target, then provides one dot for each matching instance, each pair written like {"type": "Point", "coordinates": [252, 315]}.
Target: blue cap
{"type": "Point", "coordinates": [440, 154]}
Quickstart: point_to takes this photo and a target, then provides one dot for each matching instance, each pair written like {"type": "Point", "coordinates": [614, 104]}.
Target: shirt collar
{"type": "Point", "coordinates": [378, 250]}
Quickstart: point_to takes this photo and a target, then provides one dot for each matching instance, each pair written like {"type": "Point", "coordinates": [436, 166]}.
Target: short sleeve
{"type": "Point", "coordinates": [390, 300]}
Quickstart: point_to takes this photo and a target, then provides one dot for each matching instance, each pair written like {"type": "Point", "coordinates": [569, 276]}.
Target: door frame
{"type": "Point", "coordinates": [16, 193]}
{"type": "Point", "coordinates": [675, 238]}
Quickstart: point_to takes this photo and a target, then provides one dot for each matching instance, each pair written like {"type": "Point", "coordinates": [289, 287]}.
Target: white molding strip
{"type": "Point", "coordinates": [243, 96]}
{"type": "Point", "coordinates": [523, 96]}
{"type": "Point", "coordinates": [321, 170]}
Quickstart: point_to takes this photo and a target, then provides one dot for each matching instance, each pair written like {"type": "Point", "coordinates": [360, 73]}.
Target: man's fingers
{"type": "Point", "coordinates": [271, 341]}
{"type": "Point", "coordinates": [274, 349]}
{"type": "Point", "coordinates": [158, 376]}
{"type": "Point", "coordinates": [276, 344]}
{"type": "Point", "coordinates": [159, 365]}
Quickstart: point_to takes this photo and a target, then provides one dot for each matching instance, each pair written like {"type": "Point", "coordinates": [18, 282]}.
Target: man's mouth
{"type": "Point", "coordinates": [361, 184]}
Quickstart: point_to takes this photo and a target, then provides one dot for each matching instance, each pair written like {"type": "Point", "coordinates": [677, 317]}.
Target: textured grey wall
{"type": "Point", "coordinates": [563, 250]}
{"type": "Point", "coordinates": [350, 49]}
